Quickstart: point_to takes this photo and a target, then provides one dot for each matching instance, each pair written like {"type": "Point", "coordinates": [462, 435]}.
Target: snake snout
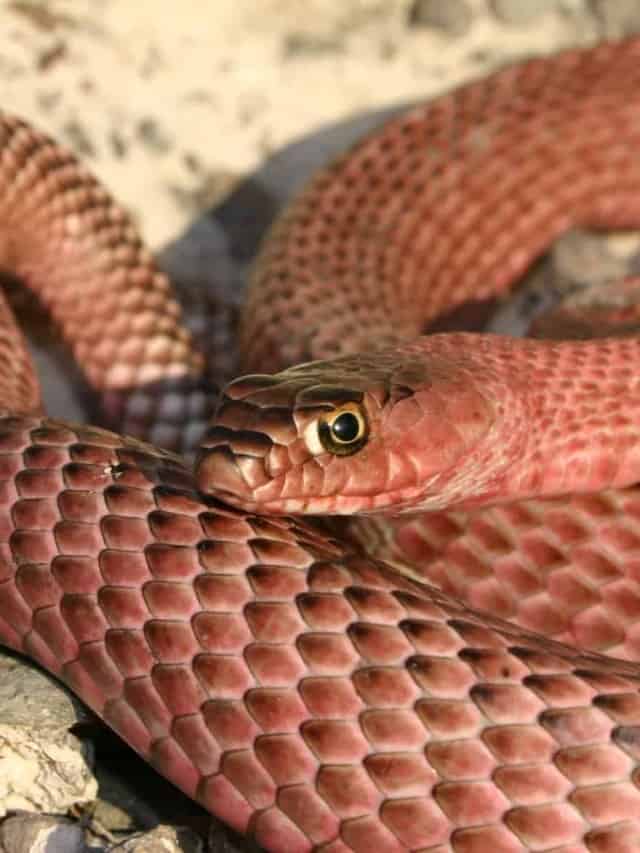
{"type": "Point", "coordinates": [232, 463]}
{"type": "Point", "coordinates": [247, 449]}
{"type": "Point", "coordinates": [218, 471]}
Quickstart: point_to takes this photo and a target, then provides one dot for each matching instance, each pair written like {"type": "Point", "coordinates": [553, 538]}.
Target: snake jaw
{"type": "Point", "coordinates": [233, 464]}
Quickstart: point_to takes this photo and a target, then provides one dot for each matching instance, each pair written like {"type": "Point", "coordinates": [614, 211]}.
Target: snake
{"type": "Point", "coordinates": [286, 671]}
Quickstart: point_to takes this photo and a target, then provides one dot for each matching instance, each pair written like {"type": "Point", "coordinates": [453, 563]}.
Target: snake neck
{"type": "Point", "coordinates": [567, 418]}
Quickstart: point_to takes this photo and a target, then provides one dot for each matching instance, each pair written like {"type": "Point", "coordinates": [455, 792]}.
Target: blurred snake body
{"type": "Point", "coordinates": [302, 690]}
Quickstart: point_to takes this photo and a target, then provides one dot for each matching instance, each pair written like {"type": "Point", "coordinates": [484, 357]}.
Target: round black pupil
{"type": "Point", "coordinates": [346, 427]}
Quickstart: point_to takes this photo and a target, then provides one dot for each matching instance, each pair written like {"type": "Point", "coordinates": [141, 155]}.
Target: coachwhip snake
{"type": "Point", "coordinates": [300, 689]}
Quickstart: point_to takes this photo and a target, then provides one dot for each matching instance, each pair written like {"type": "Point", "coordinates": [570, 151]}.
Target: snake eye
{"type": "Point", "coordinates": [343, 431]}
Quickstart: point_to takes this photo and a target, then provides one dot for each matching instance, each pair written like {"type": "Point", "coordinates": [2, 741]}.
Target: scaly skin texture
{"type": "Point", "coordinates": [464, 194]}
{"type": "Point", "coordinates": [454, 421]}
{"type": "Point", "coordinates": [298, 688]}
{"type": "Point", "coordinates": [18, 381]}
{"type": "Point", "coordinates": [450, 202]}
{"type": "Point", "coordinates": [66, 238]}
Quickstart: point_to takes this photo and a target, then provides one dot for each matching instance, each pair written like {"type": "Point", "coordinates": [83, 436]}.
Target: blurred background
{"type": "Point", "coordinates": [171, 103]}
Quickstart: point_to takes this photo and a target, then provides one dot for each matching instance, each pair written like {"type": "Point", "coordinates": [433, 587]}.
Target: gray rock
{"type": "Point", "coordinates": [589, 259]}
{"type": "Point", "coordinates": [28, 696]}
{"type": "Point", "coordinates": [617, 17]}
{"type": "Point", "coordinates": [575, 273]}
{"type": "Point", "coordinates": [26, 833]}
{"type": "Point", "coordinates": [43, 767]}
{"type": "Point", "coordinates": [519, 13]}
{"type": "Point", "coordinates": [453, 17]}
{"type": "Point", "coordinates": [162, 839]}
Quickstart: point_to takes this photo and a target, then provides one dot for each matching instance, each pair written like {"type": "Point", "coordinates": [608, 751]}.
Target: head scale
{"type": "Point", "coordinates": [360, 433]}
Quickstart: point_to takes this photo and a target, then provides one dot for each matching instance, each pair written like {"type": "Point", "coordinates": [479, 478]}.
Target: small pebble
{"type": "Point", "coordinates": [519, 13]}
{"type": "Point", "coordinates": [453, 17]}
{"type": "Point", "coordinates": [307, 44]}
{"type": "Point", "coordinates": [79, 138]}
{"type": "Point", "coordinates": [617, 17]}
{"type": "Point", "coordinates": [152, 135]}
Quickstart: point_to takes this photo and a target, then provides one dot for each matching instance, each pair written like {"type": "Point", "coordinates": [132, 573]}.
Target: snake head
{"type": "Point", "coordinates": [382, 432]}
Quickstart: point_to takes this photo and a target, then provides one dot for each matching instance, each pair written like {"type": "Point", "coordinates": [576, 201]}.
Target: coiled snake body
{"type": "Point", "coordinates": [300, 689]}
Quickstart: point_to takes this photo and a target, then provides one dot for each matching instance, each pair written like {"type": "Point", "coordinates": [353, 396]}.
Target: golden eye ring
{"type": "Point", "coordinates": [344, 430]}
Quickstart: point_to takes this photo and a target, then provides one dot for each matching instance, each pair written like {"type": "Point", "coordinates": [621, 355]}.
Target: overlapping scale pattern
{"type": "Point", "coordinates": [568, 568]}
{"type": "Point", "coordinates": [301, 691]}
{"type": "Point", "coordinates": [67, 239]}
{"type": "Point", "coordinates": [449, 202]}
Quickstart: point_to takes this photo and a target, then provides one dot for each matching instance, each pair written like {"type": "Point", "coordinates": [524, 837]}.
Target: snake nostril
{"type": "Point", "coordinates": [217, 471]}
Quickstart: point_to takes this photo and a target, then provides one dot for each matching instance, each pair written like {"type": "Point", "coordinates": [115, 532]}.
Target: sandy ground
{"type": "Point", "coordinates": [171, 102]}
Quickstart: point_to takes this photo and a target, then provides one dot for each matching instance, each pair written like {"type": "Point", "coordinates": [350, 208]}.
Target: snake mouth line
{"type": "Point", "coordinates": [231, 476]}
{"type": "Point", "coordinates": [233, 463]}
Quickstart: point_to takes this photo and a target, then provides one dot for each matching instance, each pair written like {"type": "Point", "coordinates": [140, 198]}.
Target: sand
{"type": "Point", "coordinates": [170, 103]}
